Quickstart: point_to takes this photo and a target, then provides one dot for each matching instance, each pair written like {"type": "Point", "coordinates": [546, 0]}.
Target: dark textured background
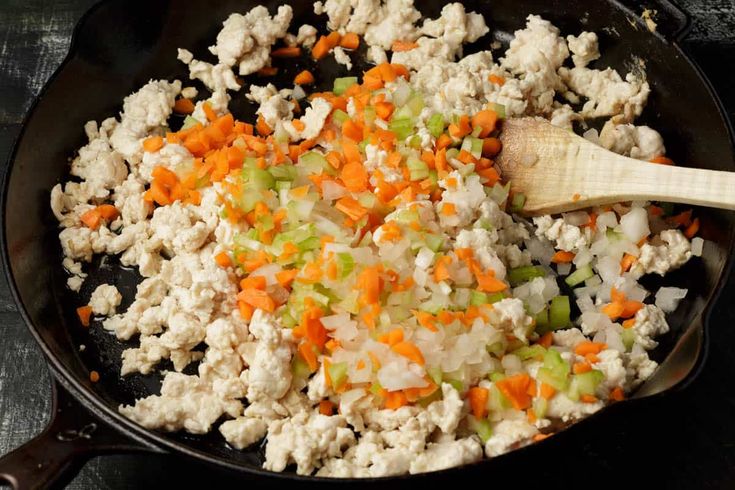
{"type": "Point", "coordinates": [688, 440]}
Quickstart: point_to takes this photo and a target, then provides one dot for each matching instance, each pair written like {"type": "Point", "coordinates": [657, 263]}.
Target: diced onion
{"type": "Point", "coordinates": [668, 298]}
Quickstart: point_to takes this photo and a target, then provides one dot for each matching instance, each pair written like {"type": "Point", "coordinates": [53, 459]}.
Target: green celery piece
{"type": "Point", "coordinates": [402, 127]}
{"type": "Point", "coordinates": [259, 179]}
{"type": "Point", "coordinates": [555, 371]}
{"type": "Point", "coordinates": [189, 122]}
{"type": "Point", "coordinates": [457, 384]}
{"type": "Point", "coordinates": [433, 242]}
{"type": "Point", "coordinates": [452, 153]}
{"type": "Point", "coordinates": [376, 387]}
{"type": "Point", "coordinates": [517, 203]}
{"type": "Point", "coordinates": [542, 321]}
{"type": "Point", "coordinates": [628, 336]}
{"type": "Point", "coordinates": [579, 276]}
{"type": "Point", "coordinates": [435, 125]}
{"type": "Point", "coordinates": [499, 110]}
{"type": "Point", "coordinates": [481, 427]}
{"type": "Point", "coordinates": [418, 169]}
{"type": "Point", "coordinates": [369, 114]}
{"type": "Point", "coordinates": [345, 263]}
{"type": "Point", "coordinates": [496, 376]}
{"type": "Point", "coordinates": [282, 185]}
{"type": "Point", "coordinates": [415, 103]}
{"type": "Point", "coordinates": [403, 113]}
{"type": "Point", "coordinates": [496, 348]}
{"type": "Point", "coordinates": [342, 84]}
{"type": "Point", "coordinates": [288, 321]}
{"type": "Point", "coordinates": [477, 298]}
{"type": "Point", "coordinates": [436, 375]}
{"type": "Point", "coordinates": [520, 275]}
{"type": "Point", "coordinates": [249, 199]}
{"type": "Point", "coordinates": [300, 368]}
{"type": "Point", "coordinates": [540, 406]}
{"type": "Point", "coordinates": [495, 297]}
{"type": "Point", "coordinates": [497, 401]}
{"type": "Point", "coordinates": [311, 243]}
{"type": "Point", "coordinates": [560, 313]}
{"type": "Point", "coordinates": [428, 400]}
{"type": "Point", "coordinates": [530, 352]}
{"type": "Point", "coordinates": [313, 162]}
{"type": "Point", "coordinates": [283, 172]}
{"type": "Point", "coordinates": [339, 116]}
{"type": "Point", "coordinates": [584, 384]}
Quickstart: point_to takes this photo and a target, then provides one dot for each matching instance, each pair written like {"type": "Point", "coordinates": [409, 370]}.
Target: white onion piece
{"type": "Point", "coordinates": [697, 246]}
{"type": "Point", "coordinates": [607, 219]}
{"type": "Point", "coordinates": [635, 224]}
{"type": "Point", "coordinates": [332, 190]}
{"type": "Point", "coordinates": [668, 298]}
{"type": "Point", "coordinates": [268, 271]}
{"type": "Point", "coordinates": [511, 363]}
{"type": "Point", "coordinates": [564, 269]}
{"type": "Point", "coordinates": [424, 258]}
{"type": "Point", "coordinates": [577, 218]}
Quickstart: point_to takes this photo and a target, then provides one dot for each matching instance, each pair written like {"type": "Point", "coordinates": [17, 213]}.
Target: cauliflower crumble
{"type": "Point", "coordinates": [370, 308]}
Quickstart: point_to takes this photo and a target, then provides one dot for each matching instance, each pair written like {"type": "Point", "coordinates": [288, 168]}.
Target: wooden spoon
{"type": "Point", "coordinates": [559, 171]}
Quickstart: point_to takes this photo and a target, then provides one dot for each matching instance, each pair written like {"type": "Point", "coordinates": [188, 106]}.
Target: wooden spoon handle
{"type": "Point", "coordinates": [711, 188]}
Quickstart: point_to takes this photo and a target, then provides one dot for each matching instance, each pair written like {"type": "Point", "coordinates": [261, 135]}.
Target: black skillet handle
{"type": "Point", "coordinates": [672, 22]}
{"type": "Point", "coordinates": [54, 457]}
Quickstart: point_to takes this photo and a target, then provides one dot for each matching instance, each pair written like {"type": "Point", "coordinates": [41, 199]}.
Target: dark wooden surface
{"type": "Point", "coordinates": [34, 37]}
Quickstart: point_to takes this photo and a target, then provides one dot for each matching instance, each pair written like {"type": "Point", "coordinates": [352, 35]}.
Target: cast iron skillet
{"type": "Point", "coordinates": [120, 44]}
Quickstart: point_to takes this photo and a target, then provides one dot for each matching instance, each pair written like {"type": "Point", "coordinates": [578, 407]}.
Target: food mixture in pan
{"type": "Point", "coordinates": [347, 273]}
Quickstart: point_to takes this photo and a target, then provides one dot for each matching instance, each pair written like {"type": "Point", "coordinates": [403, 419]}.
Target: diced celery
{"type": "Point", "coordinates": [555, 371]}
{"type": "Point", "coordinates": [540, 406]}
{"type": "Point", "coordinates": [457, 384]}
{"type": "Point", "coordinates": [434, 242]}
{"type": "Point", "coordinates": [367, 200]}
{"type": "Point", "coordinates": [418, 169]}
{"type": "Point", "coordinates": [339, 116]}
{"type": "Point", "coordinates": [517, 203]}
{"type": "Point", "coordinates": [477, 298]}
{"type": "Point", "coordinates": [415, 142]}
{"type": "Point", "coordinates": [542, 321]}
{"type": "Point", "coordinates": [628, 336]}
{"type": "Point", "coordinates": [300, 368]}
{"type": "Point", "coordinates": [405, 216]}
{"type": "Point", "coordinates": [520, 275]}
{"type": "Point", "coordinates": [579, 276]}
{"type": "Point", "coordinates": [313, 162]}
{"type": "Point", "coordinates": [428, 400]}
{"type": "Point", "coordinates": [345, 264]}
{"type": "Point", "coordinates": [282, 185]}
{"type": "Point", "coordinates": [402, 127]}
{"type": "Point", "coordinates": [265, 223]}
{"type": "Point", "coordinates": [495, 297]}
{"type": "Point", "coordinates": [559, 313]}
{"type": "Point", "coordinates": [404, 112]}
{"type": "Point", "coordinates": [497, 401]}
{"type": "Point", "coordinates": [288, 321]}
{"type": "Point", "coordinates": [477, 131]}
{"type": "Point", "coordinates": [311, 243]}
{"type": "Point", "coordinates": [189, 122]}
{"type": "Point", "coordinates": [497, 348]}
{"type": "Point", "coordinates": [436, 375]}
{"type": "Point", "coordinates": [416, 103]}
{"type": "Point", "coordinates": [376, 387]}
{"type": "Point", "coordinates": [435, 125]}
{"type": "Point", "coordinates": [585, 384]}
{"type": "Point", "coordinates": [496, 376]}
{"type": "Point", "coordinates": [481, 427]}
{"type": "Point", "coordinates": [249, 199]}
{"type": "Point", "coordinates": [473, 146]}
{"type": "Point", "coordinates": [499, 110]}
{"type": "Point", "coordinates": [342, 84]}
{"type": "Point", "coordinates": [530, 352]}
{"type": "Point", "coordinates": [283, 172]}
{"type": "Point", "coordinates": [452, 153]}
{"type": "Point", "coordinates": [338, 373]}
{"type": "Point", "coordinates": [259, 179]}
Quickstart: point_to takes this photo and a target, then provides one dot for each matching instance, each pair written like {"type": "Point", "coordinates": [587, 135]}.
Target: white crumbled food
{"type": "Point", "coordinates": [585, 48]}
{"type": "Point", "coordinates": [673, 252]}
{"type": "Point", "coordinates": [105, 299]}
{"type": "Point", "coordinates": [247, 378]}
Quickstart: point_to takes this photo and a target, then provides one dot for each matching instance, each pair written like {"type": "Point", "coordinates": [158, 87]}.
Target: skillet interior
{"type": "Point", "coordinates": [123, 44]}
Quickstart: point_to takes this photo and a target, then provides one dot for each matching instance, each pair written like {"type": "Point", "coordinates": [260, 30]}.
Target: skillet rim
{"type": "Point", "coordinates": [159, 442]}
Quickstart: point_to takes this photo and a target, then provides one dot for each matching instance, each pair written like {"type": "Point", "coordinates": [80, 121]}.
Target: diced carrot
{"type": "Point", "coordinates": [286, 277]}
{"type": "Point", "coordinates": [683, 219]}
{"type": "Point", "coordinates": [395, 400]}
{"type": "Point", "coordinates": [410, 351]}
{"type": "Point", "coordinates": [627, 262]}
{"type": "Point", "coordinates": [258, 299]}
{"type": "Point", "coordinates": [540, 437]}
{"type": "Point", "coordinates": [630, 308]}
{"type": "Point", "coordinates": [223, 260]}
{"type": "Point", "coordinates": [253, 282]}
{"type": "Point", "coordinates": [489, 283]}
{"type": "Point", "coordinates": [547, 391]}
{"type": "Point", "coordinates": [354, 176]}
{"type": "Point", "coordinates": [515, 389]}
{"type": "Point", "coordinates": [485, 120]}
{"type": "Point", "coordinates": [613, 310]}
{"type": "Point", "coordinates": [588, 398]}
{"type": "Point", "coordinates": [399, 46]}
{"type": "Point", "coordinates": [368, 284]}
{"type": "Point", "coordinates": [298, 124]}
{"type": "Point", "coordinates": [629, 323]}
{"type": "Point", "coordinates": [425, 319]}
{"type": "Point", "coordinates": [448, 209]}
{"type": "Point", "coordinates": [184, 106]}
{"type": "Point", "coordinates": [497, 80]}
{"type": "Point", "coordinates": [562, 257]}
{"type": "Point", "coordinates": [662, 160]}
{"type": "Point", "coordinates": [209, 112]}
{"type": "Point", "coordinates": [441, 269]}
{"type": "Point", "coordinates": [692, 229]}
{"type": "Point", "coordinates": [324, 45]}
{"type": "Point", "coordinates": [442, 142]}
{"type": "Point", "coordinates": [262, 127]}
{"type": "Point", "coordinates": [352, 130]}
{"type": "Point", "coordinates": [326, 407]}
{"type": "Point", "coordinates": [581, 367]}
{"type": "Point", "coordinates": [588, 347]}
{"type": "Point", "coordinates": [306, 349]}
{"type": "Point", "coordinates": [350, 40]}
{"type": "Point", "coordinates": [384, 110]}
{"type": "Point", "coordinates": [84, 313]}
{"type": "Point", "coordinates": [246, 311]}
{"type": "Point", "coordinates": [617, 394]}
{"type": "Point", "coordinates": [353, 209]}
{"type": "Point", "coordinates": [478, 401]}
{"type": "Point", "coordinates": [546, 340]}
{"type": "Point", "coordinates": [491, 147]}
{"type": "Point", "coordinates": [268, 71]}
{"type": "Point", "coordinates": [462, 128]}
{"type": "Point", "coordinates": [304, 78]}
{"type": "Point", "coordinates": [152, 143]}
{"type": "Point", "coordinates": [286, 52]}
{"type": "Point", "coordinates": [92, 219]}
